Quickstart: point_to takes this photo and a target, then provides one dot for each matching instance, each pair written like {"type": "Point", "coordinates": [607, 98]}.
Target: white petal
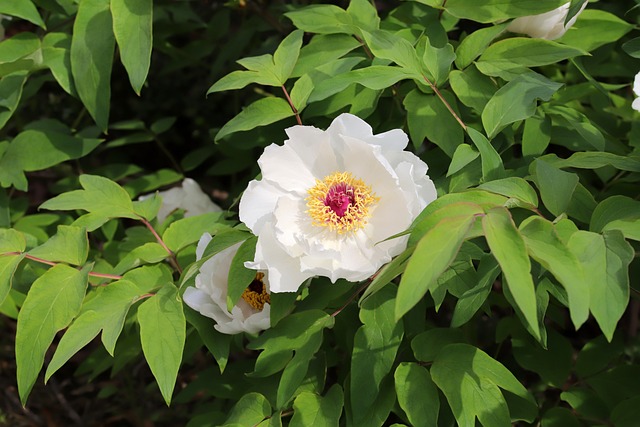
{"type": "Point", "coordinates": [202, 245]}
{"type": "Point", "coordinates": [636, 104]}
{"type": "Point", "coordinates": [257, 204]}
{"type": "Point", "coordinates": [636, 84]}
{"type": "Point", "coordinates": [283, 271]}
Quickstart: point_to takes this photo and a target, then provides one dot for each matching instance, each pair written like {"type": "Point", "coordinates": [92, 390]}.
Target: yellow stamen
{"type": "Point", "coordinates": [341, 202]}
{"type": "Point", "coordinates": [256, 293]}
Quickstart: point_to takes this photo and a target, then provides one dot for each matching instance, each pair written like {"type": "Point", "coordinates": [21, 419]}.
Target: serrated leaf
{"type": "Point", "coordinates": [92, 49]}
{"type": "Point", "coordinates": [508, 248]}
{"type": "Point", "coordinates": [411, 381]}
{"type": "Point", "coordinates": [260, 113]}
{"type": "Point", "coordinates": [52, 302]}
{"type": "Point", "coordinates": [162, 334]}
{"type": "Point", "coordinates": [309, 409]}
{"type": "Point", "coordinates": [70, 244]}
{"type": "Point", "coordinates": [132, 27]}
{"type": "Point", "coordinates": [469, 379]}
{"type": "Point", "coordinates": [437, 249]}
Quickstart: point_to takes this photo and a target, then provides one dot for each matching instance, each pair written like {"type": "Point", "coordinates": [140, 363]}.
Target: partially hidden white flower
{"type": "Point", "coordinates": [636, 90]}
{"type": "Point", "coordinates": [209, 296]}
{"type": "Point", "coordinates": [548, 25]}
{"type": "Point", "coordinates": [188, 197]}
{"type": "Point", "coordinates": [327, 200]}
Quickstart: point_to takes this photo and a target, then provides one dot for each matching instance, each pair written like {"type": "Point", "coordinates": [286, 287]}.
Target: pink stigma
{"type": "Point", "coordinates": [339, 197]}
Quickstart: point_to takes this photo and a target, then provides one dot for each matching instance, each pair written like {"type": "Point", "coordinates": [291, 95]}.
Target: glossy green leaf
{"type": "Point", "coordinates": [132, 28]}
{"type": "Point", "coordinates": [148, 253]}
{"type": "Point", "coordinates": [52, 302]}
{"type": "Point", "coordinates": [92, 49]}
{"type": "Point", "coordinates": [517, 100]}
{"type": "Point", "coordinates": [309, 409]}
{"type": "Point", "coordinates": [471, 300]}
{"type": "Point", "coordinates": [217, 343]}
{"type": "Point", "coordinates": [260, 113]}
{"type": "Point", "coordinates": [556, 186]}
{"type": "Point", "coordinates": [463, 155]}
{"type": "Point", "coordinates": [374, 350]}
{"type": "Point", "coordinates": [469, 379]}
{"type": "Point", "coordinates": [536, 136]}
{"type": "Point", "coordinates": [437, 249]}
{"type": "Point", "coordinates": [509, 249]}
{"type": "Point", "coordinates": [250, 410]}
{"type": "Point", "coordinates": [162, 333]}
{"type": "Point", "coordinates": [544, 245]}
{"type": "Point", "coordinates": [427, 222]}
{"type": "Point", "coordinates": [595, 160]}
{"type": "Point", "coordinates": [417, 394]}
{"type": "Point", "coordinates": [617, 213]}
{"type": "Point", "coordinates": [475, 43]}
{"type": "Point", "coordinates": [11, 241]}
{"type": "Point", "coordinates": [387, 45]}
{"type": "Point", "coordinates": [24, 9]}
{"type": "Point", "coordinates": [323, 50]}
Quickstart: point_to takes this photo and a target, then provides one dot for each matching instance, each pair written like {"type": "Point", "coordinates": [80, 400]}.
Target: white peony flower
{"type": "Point", "coordinates": [636, 90]}
{"type": "Point", "coordinates": [188, 197]}
{"type": "Point", "coordinates": [209, 296]}
{"type": "Point", "coordinates": [548, 25]}
{"type": "Point", "coordinates": [328, 199]}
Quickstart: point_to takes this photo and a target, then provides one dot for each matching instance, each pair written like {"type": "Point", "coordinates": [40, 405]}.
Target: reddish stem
{"type": "Point", "coordinates": [293, 108]}
{"type": "Point", "coordinates": [51, 263]}
{"type": "Point", "coordinates": [172, 257]}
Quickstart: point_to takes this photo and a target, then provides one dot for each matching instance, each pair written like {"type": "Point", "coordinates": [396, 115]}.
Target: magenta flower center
{"type": "Point", "coordinates": [339, 197]}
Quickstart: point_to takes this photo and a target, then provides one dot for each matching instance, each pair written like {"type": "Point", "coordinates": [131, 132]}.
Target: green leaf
{"type": "Point", "coordinates": [11, 241]}
{"type": "Point", "coordinates": [513, 187]}
{"type": "Point", "coordinates": [492, 167]}
{"type": "Point", "coordinates": [438, 61]}
{"type": "Point", "coordinates": [595, 28]}
{"type": "Point", "coordinates": [286, 55]}
{"type": "Point", "coordinates": [428, 344]}
{"type": "Point", "coordinates": [52, 302]}
{"type": "Point", "coordinates": [321, 19]}
{"type": "Point", "coordinates": [149, 253]}
{"type": "Point", "coordinates": [374, 350]}
{"type": "Point", "coordinates": [428, 118]}
{"type": "Point", "coordinates": [553, 363]}
{"type": "Point", "coordinates": [626, 413]}
{"type": "Point", "coordinates": [162, 334]}
{"type": "Point", "coordinates": [508, 248]}
{"type": "Point", "coordinates": [309, 409]}
{"type": "Point", "coordinates": [22, 45]}
{"type": "Point", "coordinates": [323, 50]}
{"type": "Point", "coordinates": [217, 343]}
{"type": "Point", "coordinates": [300, 333]}
{"type": "Point", "coordinates": [475, 43]}
{"type": "Point", "coordinates": [496, 10]}
{"type": "Point", "coordinates": [536, 136]}
{"type": "Point", "coordinates": [56, 55]}
{"type": "Point", "coordinates": [425, 223]}
{"type": "Point", "coordinates": [70, 244]}
{"type": "Point", "coordinates": [473, 88]}
{"type": "Point", "coordinates": [605, 259]}
{"type": "Point", "coordinates": [99, 195]}
{"type": "Point", "coordinates": [34, 150]}
{"type": "Point", "coordinates": [250, 410]}
{"type": "Point", "coordinates": [517, 100]}
{"type": "Point", "coordinates": [240, 277]}
{"type": "Point", "coordinates": [471, 300]}
{"type": "Point", "coordinates": [437, 249]}
{"type": "Point", "coordinates": [413, 380]}
{"type": "Point", "coordinates": [463, 155]}
{"type": "Point", "coordinates": [92, 49]}
{"type": "Point", "coordinates": [469, 379]}
{"type": "Point", "coordinates": [132, 28]}
{"type": "Point", "coordinates": [632, 47]}
{"type": "Point", "coordinates": [578, 123]}
{"type": "Point", "coordinates": [595, 160]}
{"type": "Point", "coordinates": [364, 15]}
{"type": "Point", "coordinates": [186, 231]}
{"type": "Point", "coordinates": [517, 52]}
{"type": "Point", "coordinates": [556, 186]}
{"type": "Point", "coordinates": [105, 312]}
{"type": "Point", "coordinates": [260, 113]}
{"type": "Point", "coordinates": [545, 246]}
{"type": "Point", "coordinates": [388, 45]}
{"type": "Point", "coordinates": [149, 207]}
{"type": "Point", "coordinates": [10, 94]}
{"type": "Point", "coordinates": [24, 9]}
{"type": "Point", "coordinates": [8, 266]}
